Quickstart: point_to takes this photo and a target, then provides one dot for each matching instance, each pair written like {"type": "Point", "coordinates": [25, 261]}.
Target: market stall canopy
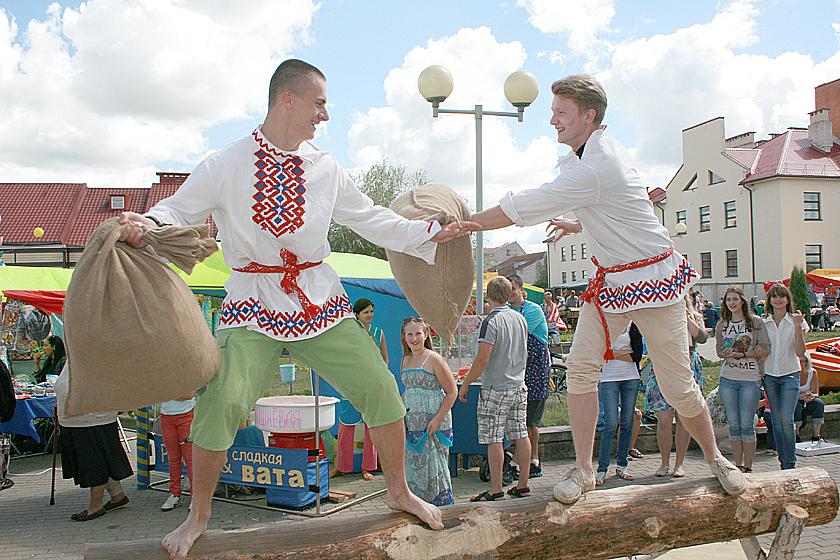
{"type": "Point", "coordinates": [43, 288]}
{"type": "Point", "coordinates": [810, 278]}
{"type": "Point", "coordinates": [46, 301]}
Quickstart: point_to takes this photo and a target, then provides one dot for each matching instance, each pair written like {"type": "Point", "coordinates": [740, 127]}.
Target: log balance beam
{"type": "Point", "coordinates": [612, 523]}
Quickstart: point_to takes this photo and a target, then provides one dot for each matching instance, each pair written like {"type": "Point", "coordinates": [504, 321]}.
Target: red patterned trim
{"type": "Point", "coordinates": [279, 190]}
{"type": "Point", "coordinates": [284, 325]}
{"type": "Point", "coordinates": [289, 282]}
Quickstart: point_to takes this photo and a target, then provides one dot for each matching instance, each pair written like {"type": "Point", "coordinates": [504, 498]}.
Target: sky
{"type": "Point", "coordinates": [108, 92]}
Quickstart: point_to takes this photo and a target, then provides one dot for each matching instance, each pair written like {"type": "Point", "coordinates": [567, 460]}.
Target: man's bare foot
{"type": "Point", "coordinates": [179, 541]}
{"type": "Point", "coordinates": [425, 511]}
{"type": "Point", "coordinates": [367, 475]}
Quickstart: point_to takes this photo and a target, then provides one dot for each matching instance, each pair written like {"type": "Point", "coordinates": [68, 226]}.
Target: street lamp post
{"type": "Point", "coordinates": [521, 88]}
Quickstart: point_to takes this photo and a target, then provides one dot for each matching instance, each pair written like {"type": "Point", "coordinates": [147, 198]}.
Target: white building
{"type": "Point", "coordinates": [752, 210]}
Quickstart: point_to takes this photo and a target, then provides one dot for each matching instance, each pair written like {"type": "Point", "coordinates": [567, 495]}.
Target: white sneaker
{"type": "Point", "coordinates": [817, 443]}
{"type": "Point", "coordinates": [600, 477]}
{"type": "Point", "coordinates": [573, 485]}
{"type": "Point", "coordinates": [171, 503]}
{"type": "Point", "coordinates": [729, 476]}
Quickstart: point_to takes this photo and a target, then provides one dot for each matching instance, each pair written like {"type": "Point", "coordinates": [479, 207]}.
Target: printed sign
{"type": "Point", "coordinates": [268, 467]}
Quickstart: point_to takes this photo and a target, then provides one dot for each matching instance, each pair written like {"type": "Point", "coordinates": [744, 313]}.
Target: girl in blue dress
{"type": "Point", "coordinates": [430, 392]}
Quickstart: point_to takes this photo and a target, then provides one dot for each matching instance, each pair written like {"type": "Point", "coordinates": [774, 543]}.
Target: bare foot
{"type": "Point", "coordinates": [425, 511]}
{"type": "Point", "coordinates": [662, 470]}
{"type": "Point", "coordinates": [679, 472]}
{"type": "Point", "coordinates": [179, 541]}
{"type": "Point", "coordinates": [367, 475]}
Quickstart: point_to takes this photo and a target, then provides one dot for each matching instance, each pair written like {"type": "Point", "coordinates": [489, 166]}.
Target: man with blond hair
{"type": "Point", "coordinates": [639, 275]}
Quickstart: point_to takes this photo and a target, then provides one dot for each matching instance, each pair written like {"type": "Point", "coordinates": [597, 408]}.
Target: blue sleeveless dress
{"type": "Point", "coordinates": [426, 458]}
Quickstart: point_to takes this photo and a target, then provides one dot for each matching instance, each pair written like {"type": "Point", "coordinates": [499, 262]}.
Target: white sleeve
{"type": "Point", "coordinates": [576, 187]}
{"type": "Point", "coordinates": [381, 225]}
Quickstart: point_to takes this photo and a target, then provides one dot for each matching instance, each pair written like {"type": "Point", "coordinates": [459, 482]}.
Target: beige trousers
{"type": "Point", "coordinates": [666, 336]}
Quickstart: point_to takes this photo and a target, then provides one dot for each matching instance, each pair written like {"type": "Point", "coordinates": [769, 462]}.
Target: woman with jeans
{"type": "Point", "coordinates": [741, 340]}
{"type": "Point", "coordinates": [786, 330]}
{"type": "Point", "coordinates": [619, 380]}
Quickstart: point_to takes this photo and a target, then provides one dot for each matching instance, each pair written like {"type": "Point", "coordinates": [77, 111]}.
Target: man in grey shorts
{"type": "Point", "coordinates": [500, 361]}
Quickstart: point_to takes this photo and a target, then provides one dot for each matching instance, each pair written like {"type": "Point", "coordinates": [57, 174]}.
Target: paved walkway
{"type": "Point", "coordinates": [32, 528]}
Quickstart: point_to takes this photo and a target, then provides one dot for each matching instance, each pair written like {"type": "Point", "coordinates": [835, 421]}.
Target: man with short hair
{"type": "Point", "coordinates": [710, 316]}
{"type": "Point", "coordinates": [536, 370]}
{"type": "Point", "coordinates": [273, 195]}
{"type": "Point", "coordinates": [639, 276]}
{"type": "Point", "coordinates": [500, 361]}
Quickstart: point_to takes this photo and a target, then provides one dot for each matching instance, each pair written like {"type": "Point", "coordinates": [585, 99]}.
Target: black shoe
{"type": "Point", "coordinates": [536, 471]}
{"type": "Point", "coordinates": [112, 505]}
{"type": "Point", "coordinates": [85, 516]}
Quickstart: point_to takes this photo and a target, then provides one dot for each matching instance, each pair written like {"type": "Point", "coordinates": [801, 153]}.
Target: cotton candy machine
{"type": "Point", "coordinates": [294, 414]}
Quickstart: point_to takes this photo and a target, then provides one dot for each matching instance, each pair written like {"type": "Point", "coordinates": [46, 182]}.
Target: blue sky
{"type": "Point", "coordinates": [109, 91]}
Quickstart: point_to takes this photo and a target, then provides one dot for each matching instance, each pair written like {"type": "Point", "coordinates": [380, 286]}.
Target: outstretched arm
{"type": "Point", "coordinates": [492, 218]}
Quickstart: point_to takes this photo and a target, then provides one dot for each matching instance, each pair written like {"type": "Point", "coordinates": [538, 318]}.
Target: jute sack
{"type": "Point", "coordinates": [439, 293]}
{"type": "Point", "coordinates": [134, 333]}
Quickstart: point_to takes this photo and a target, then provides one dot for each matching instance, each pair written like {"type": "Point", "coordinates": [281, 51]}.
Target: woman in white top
{"type": "Point", "coordinates": [786, 330]}
{"type": "Point", "coordinates": [741, 340]}
{"type": "Point", "coordinates": [619, 381]}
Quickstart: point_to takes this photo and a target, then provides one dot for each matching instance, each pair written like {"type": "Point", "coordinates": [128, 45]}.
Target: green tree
{"type": "Point", "coordinates": [382, 183]}
{"type": "Point", "coordinates": [542, 274]}
{"type": "Point", "coordinates": [799, 291]}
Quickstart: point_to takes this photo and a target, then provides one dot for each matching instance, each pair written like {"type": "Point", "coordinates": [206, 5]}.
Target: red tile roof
{"type": "Point", "coordinates": [96, 208]}
{"type": "Point", "coordinates": [790, 154]}
{"type": "Point", "coordinates": [69, 213]}
{"type": "Point", "coordinates": [26, 206]}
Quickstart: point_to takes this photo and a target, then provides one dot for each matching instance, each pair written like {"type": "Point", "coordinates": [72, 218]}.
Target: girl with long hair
{"type": "Point", "coordinates": [430, 392]}
{"type": "Point", "coordinates": [741, 340]}
{"type": "Point", "coordinates": [786, 330]}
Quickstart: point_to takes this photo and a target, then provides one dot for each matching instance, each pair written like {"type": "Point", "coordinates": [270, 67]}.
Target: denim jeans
{"type": "Point", "coordinates": [609, 393]}
{"type": "Point", "coordinates": [815, 409]}
{"type": "Point", "coordinates": [740, 398]}
{"type": "Point", "coordinates": [782, 396]}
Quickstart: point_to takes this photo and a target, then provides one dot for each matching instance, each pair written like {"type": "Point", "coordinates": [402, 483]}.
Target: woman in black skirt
{"type": "Point", "coordinates": [92, 455]}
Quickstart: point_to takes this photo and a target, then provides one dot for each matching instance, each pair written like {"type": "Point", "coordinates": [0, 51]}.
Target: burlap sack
{"type": "Point", "coordinates": [439, 293]}
{"type": "Point", "coordinates": [135, 334]}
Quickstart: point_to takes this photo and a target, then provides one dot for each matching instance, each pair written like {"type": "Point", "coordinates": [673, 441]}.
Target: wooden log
{"type": "Point", "coordinates": [788, 532]}
{"type": "Point", "coordinates": [604, 524]}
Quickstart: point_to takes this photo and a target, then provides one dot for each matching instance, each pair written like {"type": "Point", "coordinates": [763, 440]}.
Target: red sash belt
{"type": "Point", "coordinates": [596, 285]}
{"type": "Point", "coordinates": [289, 282]}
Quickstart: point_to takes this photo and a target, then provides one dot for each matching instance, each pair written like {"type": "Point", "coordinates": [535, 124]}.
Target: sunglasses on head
{"type": "Point", "coordinates": [408, 320]}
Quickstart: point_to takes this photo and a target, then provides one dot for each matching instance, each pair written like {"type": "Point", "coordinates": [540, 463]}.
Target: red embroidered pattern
{"type": "Point", "coordinates": [278, 200]}
{"type": "Point", "coordinates": [286, 325]}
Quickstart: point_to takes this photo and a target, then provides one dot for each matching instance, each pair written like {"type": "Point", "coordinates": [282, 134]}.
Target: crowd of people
{"type": "Point", "coordinates": [277, 250]}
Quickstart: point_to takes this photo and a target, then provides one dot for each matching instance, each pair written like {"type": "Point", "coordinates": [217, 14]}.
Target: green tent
{"type": "Point", "coordinates": [34, 278]}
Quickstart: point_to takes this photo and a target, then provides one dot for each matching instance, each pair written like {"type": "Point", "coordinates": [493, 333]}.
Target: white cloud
{"type": "Point", "coordinates": [97, 93]}
{"type": "Point", "coordinates": [665, 83]}
{"type": "Point", "coordinates": [581, 21]}
{"type": "Point", "coordinates": [406, 133]}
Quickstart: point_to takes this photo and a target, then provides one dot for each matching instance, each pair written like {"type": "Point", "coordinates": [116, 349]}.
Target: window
{"type": "Point", "coordinates": [705, 219]}
{"type": "Point", "coordinates": [681, 217]}
{"type": "Point", "coordinates": [574, 276]}
{"type": "Point", "coordinates": [117, 202]}
{"type": "Point", "coordinates": [583, 251]}
{"type": "Point", "coordinates": [705, 265]}
{"type": "Point", "coordinates": [729, 213]}
{"type": "Point", "coordinates": [813, 257]}
{"type": "Point", "coordinates": [562, 254]}
{"type": "Point", "coordinates": [573, 258]}
{"type": "Point", "coordinates": [812, 206]}
{"type": "Point", "coordinates": [691, 184]}
{"type": "Point", "coordinates": [731, 263]}
{"type": "Point", "coordinates": [714, 178]}
{"type": "Point", "coordinates": [582, 274]}
{"type": "Point", "coordinates": [564, 277]}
